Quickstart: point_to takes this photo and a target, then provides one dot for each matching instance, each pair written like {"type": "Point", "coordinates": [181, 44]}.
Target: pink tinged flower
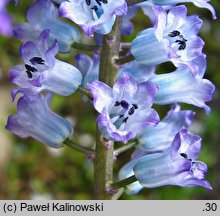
{"type": "Point", "coordinates": [125, 110]}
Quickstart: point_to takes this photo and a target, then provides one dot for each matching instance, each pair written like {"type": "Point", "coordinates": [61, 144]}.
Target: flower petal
{"type": "Point", "coordinates": [165, 130]}
{"type": "Point", "coordinates": [102, 95]}
{"type": "Point", "coordinates": [125, 87]}
{"type": "Point", "coordinates": [161, 21]}
{"type": "Point", "coordinates": [182, 86]}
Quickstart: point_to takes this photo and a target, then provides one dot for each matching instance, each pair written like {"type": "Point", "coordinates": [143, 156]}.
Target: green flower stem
{"type": "Point", "coordinates": [132, 2]}
{"type": "Point", "coordinates": [103, 162]}
{"type": "Point", "coordinates": [123, 183]}
{"type": "Point", "coordinates": [109, 52]}
{"type": "Point", "coordinates": [85, 47]}
{"type": "Point", "coordinates": [124, 148]}
{"type": "Point", "coordinates": [78, 147]}
{"type": "Point", "coordinates": [85, 92]}
{"type": "Point", "coordinates": [123, 60]}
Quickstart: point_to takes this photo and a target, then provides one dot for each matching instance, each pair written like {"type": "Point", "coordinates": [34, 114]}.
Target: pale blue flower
{"type": "Point", "coordinates": [173, 38]}
{"type": "Point", "coordinates": [42, 15]}
{"type": "Point", "coordinates": [182, 86]}
{"type": "Point", "coordinates": [93, 15]}
{"type": "Point", "coordinates": [42, 71]}
{"type": "Point", "coordinates": [158, 138]}
{"type": "Point", "coordinates": [35, 119]}
{"type": "Point", "coordinates": [125, 110]}
{"type": "Point", "coordinates": [177, 165]}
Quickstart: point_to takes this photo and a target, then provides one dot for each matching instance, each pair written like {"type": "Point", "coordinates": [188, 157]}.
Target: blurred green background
{"type": "Point", "coordinates": [30, 170]}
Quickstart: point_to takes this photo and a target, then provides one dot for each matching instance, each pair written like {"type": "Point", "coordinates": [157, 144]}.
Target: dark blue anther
{"type": "Point", "coordinates": [94, 8]}
{"type": "Point", "coordinates": [181, 42]}
{"type": "Point", "coordinates": [174, 33]}
{"type": "Point", "coordinates": [29, 74]}
{"type": "Point", "coordinates": [30, 68]}
{"type": "Point", "coordinates": [117, 103]}
{"type": "Point", "coordinates": [131, 111]}
{"type": "Point", "coordinates": [135, 106]}
{"type": "Point", "coordinates": [36, 60]}
{"type": "Point", "coordinates": [99, 2]}
{"type": "Point", "coordinates": [182, 46]}
{"type": "Point", "coordinates": [124, 104]}
{"type": "Point", "coordinates": [183, 155]}
{"type": "Point", "coordinates": [88, 2]}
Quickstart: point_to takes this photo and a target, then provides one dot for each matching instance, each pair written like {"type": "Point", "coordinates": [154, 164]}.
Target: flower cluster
{"type": "Point", "coordinates": [125, 111]}
{"type": "Point", "coordinates": [41, 71]}
{"type": "Point", "coordinates": [166, 153]}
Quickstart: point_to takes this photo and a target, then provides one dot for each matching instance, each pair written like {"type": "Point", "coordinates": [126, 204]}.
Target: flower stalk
{"type": "Point", "coordinates": [85, 47]}
{"type": "Point", "coordinates": [124, 148]}
{"type": "Point", "coordinates": [103, 162]}
{"type": "Point", "coordinates": [123, 183]}
{"type": "Point", "coordinates": [124, 60]}
{"type": "Point", "coordinates": [75, 146]}
{"type": "Point", "coordinates": [85, 92]}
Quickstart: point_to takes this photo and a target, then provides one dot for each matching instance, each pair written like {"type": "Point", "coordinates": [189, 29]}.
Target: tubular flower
{"type": "Point", "coordinates": [177, 165]}
{"type": "Point", "coordinates": [93, 15]}
{"type": "Point", "coordinates": [124, 110]}
{"type": "Point", "coordinates": [182, 86]}
{"type": "Point", "coordinates": [173, 38]}
{"type": "Point", "coordinates": [44, 15]}
{"type": "Point", "coordinates": [35, 119]}
{"type": "Point", "coordinates": [150, 144]}
{"type": "Point", "coordinates": [167, 128]}
{"type": "Point", "coordinates": [42, 71]}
